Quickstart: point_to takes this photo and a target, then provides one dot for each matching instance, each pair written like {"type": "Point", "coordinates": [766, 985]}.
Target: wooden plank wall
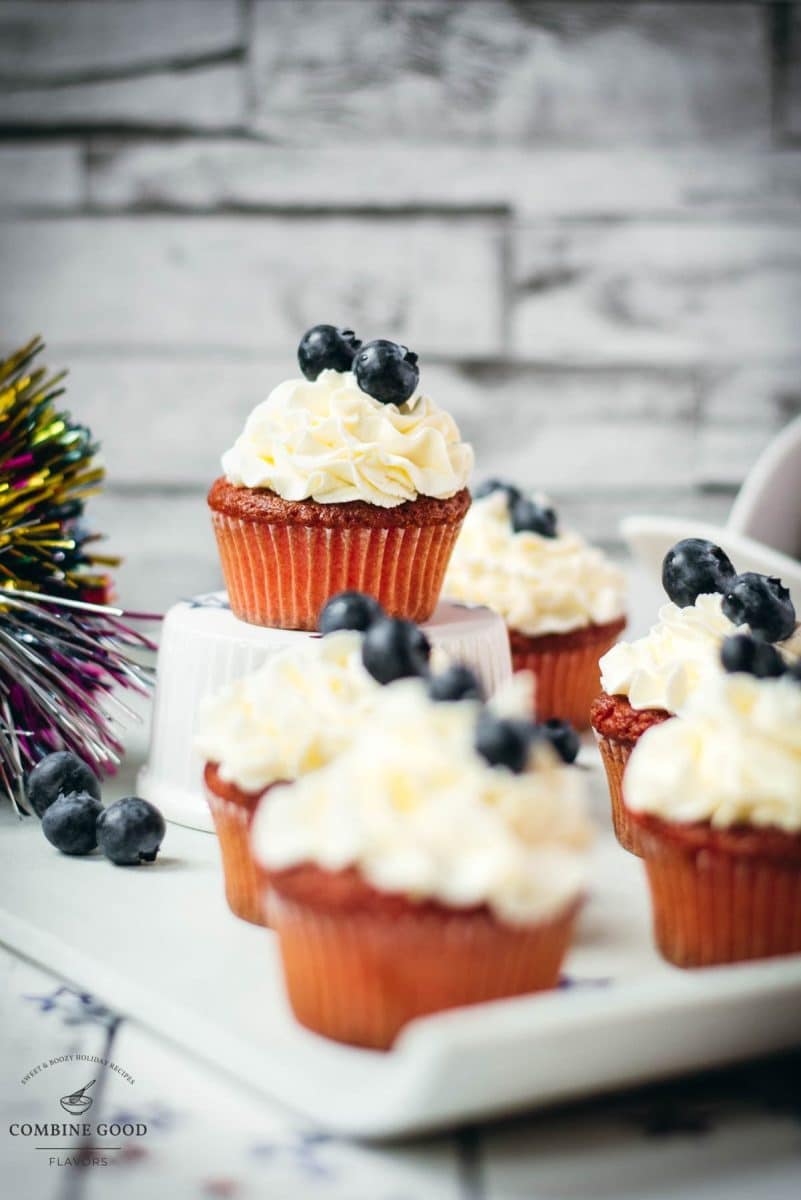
{"type": "Point", "coordinates": [585, 217]}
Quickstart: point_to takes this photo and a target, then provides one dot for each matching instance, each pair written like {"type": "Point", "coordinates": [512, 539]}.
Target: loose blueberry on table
{"type": "Point", "coordinates": [695, 567]}
{"type": "Point", "coordinates": [130, 831]}
{"type": "Point", "coordinates": [57, 775]}
{"type": "Point", "coordinates": [349, 610]}
{"type": "Point", "coordinates": [393, 648]}
{"type": "Point", "coordinates": [326, 347]}
{"type": "Point", "coordinates": [70, 823]}
{"type": "Point", "coordinates": [456, 682]}
{"type": "Point", "coordinates": [762, 603]}
{"type": "Point", "coordinates": [386, 371]}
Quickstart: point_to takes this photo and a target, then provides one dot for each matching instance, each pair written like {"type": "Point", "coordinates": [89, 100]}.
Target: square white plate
{"type": "Point", "coordinates": [159, 945]}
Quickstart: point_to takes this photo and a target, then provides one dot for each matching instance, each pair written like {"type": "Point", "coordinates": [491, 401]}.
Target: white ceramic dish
{"type": "Point", "coordinates": [763, 532]}
{"type": "Point", "coordinates": [768, 506]}
{"type": "Point", "coordinates": [160, 945]}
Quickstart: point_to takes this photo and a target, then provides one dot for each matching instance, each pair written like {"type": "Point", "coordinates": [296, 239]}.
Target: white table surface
{"type": "Point", "coordinates": [723, 1136]}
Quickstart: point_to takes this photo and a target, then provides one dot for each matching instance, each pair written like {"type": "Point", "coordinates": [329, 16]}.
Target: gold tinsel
{"type": "Point", "coordinates": [46, 474]}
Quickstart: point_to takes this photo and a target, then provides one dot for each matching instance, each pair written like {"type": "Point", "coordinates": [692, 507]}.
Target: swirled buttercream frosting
{"type": "Point", "coordinates": [538, 584]}
{"type": "Point", "coordinates": [414, 807]}
{"type": "Point", "coordinates": [327, 440]}
{"type": "Point", "coordinates": [290, 716]}
{"type": "Point", "coordinates": [681, 652]}
{"type": "Point", "coordinates": [733, 757]}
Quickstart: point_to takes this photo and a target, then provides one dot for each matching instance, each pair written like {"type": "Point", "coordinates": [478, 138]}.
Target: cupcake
{"type": "Point", "coordinates": [562, 600]}
{"type": "Point", "coordinates": [348, 477]}
{"type": "Point", "coordinates": [289, 717]}
{"type": "Point", "coordinates": [438, 861]}
{"type": "Point", "coordinates": [651, 679]}
{"type": "Point", "coordinates": [715, 797]}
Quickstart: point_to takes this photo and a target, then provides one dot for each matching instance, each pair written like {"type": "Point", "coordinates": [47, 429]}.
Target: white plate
{"type": "Point", "coordinates": [159, 945]}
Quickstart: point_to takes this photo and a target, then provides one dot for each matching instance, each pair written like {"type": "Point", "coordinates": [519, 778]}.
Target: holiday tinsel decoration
{"type": "Point", "coordinates": [64, 650]}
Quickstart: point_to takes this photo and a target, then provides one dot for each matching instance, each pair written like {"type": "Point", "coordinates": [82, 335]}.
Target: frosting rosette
{"type": "Point", "coordinates": [290, 716]}
{"type": "Point", "coordinates": [680, 653]}
{"type": "Point", "coordinates": [538, 584]}
{"type": "Point", "coordinates": [328, 441]}
{"type": "Point", "coordinates": [436, 822]}
{"type": "Point", "coordinates": [732, 758]}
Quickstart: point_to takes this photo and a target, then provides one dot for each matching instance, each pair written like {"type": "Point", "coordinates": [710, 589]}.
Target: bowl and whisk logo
{"type": "Point", "coordinates": [78, 1103]}
{"type": "Point", "coordinates": [74, 1138]}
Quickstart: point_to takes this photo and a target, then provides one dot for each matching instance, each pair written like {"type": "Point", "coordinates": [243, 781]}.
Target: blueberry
{"type": "Point", "coordinates": [762, 603]}
{"type": "Point", "coordinates": [325, 347]}
{"type": "Point", "coordinates": [457, 682]}
{"type": "Point", "coordinates": [349, 610]}
{"type": "Point", "coordinates": [130, 831]}
{"type": "Point", "coordinates": [527, 516]}
{"type": "Point", "coordinates": [70, 823]}
{"type": "Point", "coordinates": [504, 742]}
{"type": "Point", "coordinates": [740, 652]}
{"type": "Point", "coordinates": [562, 736]}
{"type": "Point", "coordinates": [57, 775]}
{"type": "Point", "coordinates": [386, 371]}
{"type": "Point", "coordinates": [395, 649]}
{"type": "Point", "coordinates": [695, 567]}
{"type": "Point", "coordinates": [497, 485]}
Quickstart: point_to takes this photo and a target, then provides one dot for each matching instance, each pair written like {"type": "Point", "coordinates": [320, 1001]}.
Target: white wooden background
{"type": "Point", "coordinates": [584, 216]}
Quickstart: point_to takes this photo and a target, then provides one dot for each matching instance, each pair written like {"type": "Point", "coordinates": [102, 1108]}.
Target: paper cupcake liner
{"type": "Point", "coordinates": [615, 754]}
{"type": "Point", "coordinates": [233, 811]}
{"type": "Point", "coordinates": [282, 575]}
{"type": "Point", "coordinates": [715, 903]}
{"type": "Point", "coordinates": [566, 669]}
{"type": "Point", "coordinates": [359, 977]}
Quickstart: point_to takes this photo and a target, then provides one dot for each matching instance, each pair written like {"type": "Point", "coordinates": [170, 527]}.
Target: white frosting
{"type": "Point", "coordinates": [538, 584]}
{"type": "Point", "coordinates": [329, 441]}
{"type": "Point", "coordinates": [290, 716]}
{"type": "Point", "coordinates": [418, 811]}
{"type": "Point", "coordinates": [733, 757]}
{"type": "Point", "coordinates": [682, 651]}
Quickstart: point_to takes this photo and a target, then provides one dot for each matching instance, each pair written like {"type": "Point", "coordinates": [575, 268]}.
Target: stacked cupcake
{"type": "Point", "coordinates": [650, 680]}
{"type": "Point", "coordinates": [347, 478]}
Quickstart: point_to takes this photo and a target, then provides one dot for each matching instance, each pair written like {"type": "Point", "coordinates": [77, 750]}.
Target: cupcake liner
{"type": "Point", "coordinates": [566, 669]}
{"type": "Point", "coordinates": [722, 898]}
{"type": "Point", "coordinates": [233, 811]}
{"type": "Point", "coordinates": [282, 575]}
{"type": "Point", "coordinates": [359, 976]}
{"type": "Point", "coordinates": [242, 890]}
{"type": "Point", "coordinates": [615, 754]}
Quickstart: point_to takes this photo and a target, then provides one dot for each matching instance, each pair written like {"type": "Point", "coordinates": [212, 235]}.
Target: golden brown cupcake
{"type": "Point", "coordinates": [349, 478]}
{"type": "Point", "coordinates": [715, 798]}
{"type": "Point", "coordinates": [283, 559]}
{"type": "Point", "coordinates": [562, 599]}
{"type": "Point", "coordinates": [437, 862]}
{"type": "Point", "coordinates": [651, 679]}
{"type": "Point", "coordinates": [289, 717]}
